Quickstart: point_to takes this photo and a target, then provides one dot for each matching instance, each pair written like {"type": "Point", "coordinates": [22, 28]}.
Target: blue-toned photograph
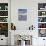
{"type": "Point", "coordinates": [22, 14]}
{"type": "Point", "coordinates": [22, 17]}
{"type": "Point", "coordinates": [22, 11]}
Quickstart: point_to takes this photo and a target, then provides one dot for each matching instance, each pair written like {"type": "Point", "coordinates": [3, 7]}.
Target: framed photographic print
{"type": "Point", "coordinates": [22, 14]}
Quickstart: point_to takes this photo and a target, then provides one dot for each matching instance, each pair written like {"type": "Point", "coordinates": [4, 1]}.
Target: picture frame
{"type": "Point", "coordinates": [22, 14]}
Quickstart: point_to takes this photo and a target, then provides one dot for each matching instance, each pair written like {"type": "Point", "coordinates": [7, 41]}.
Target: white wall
{"type": "Point", "coordinates": [32, 7]}
{"type": "Point", "coordinates": [31, 15]}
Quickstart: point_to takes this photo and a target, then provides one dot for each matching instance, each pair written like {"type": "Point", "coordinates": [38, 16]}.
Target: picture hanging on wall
{"type": "Point", "coordinates": [22, 14]}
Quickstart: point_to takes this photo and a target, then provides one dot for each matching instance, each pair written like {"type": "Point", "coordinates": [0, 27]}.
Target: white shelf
{"type": "Point", "coordinates": [3, 22]}
{"type": "Point", "coordinates": [3, 10]}
{"type": "Point", "coordinates": [41, 28]}
{"type": "Point", "coordinates": [41, 22]}
{"type": "Point", "coordinates": [41, 10]}
{"type": "Point", "coordinates": [42, 16]}
{"type": "Point", "coordinates": [3, 16]}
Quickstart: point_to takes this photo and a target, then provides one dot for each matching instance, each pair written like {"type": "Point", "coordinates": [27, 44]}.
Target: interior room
{"type": "Point", "coordinates": [22, 22]}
